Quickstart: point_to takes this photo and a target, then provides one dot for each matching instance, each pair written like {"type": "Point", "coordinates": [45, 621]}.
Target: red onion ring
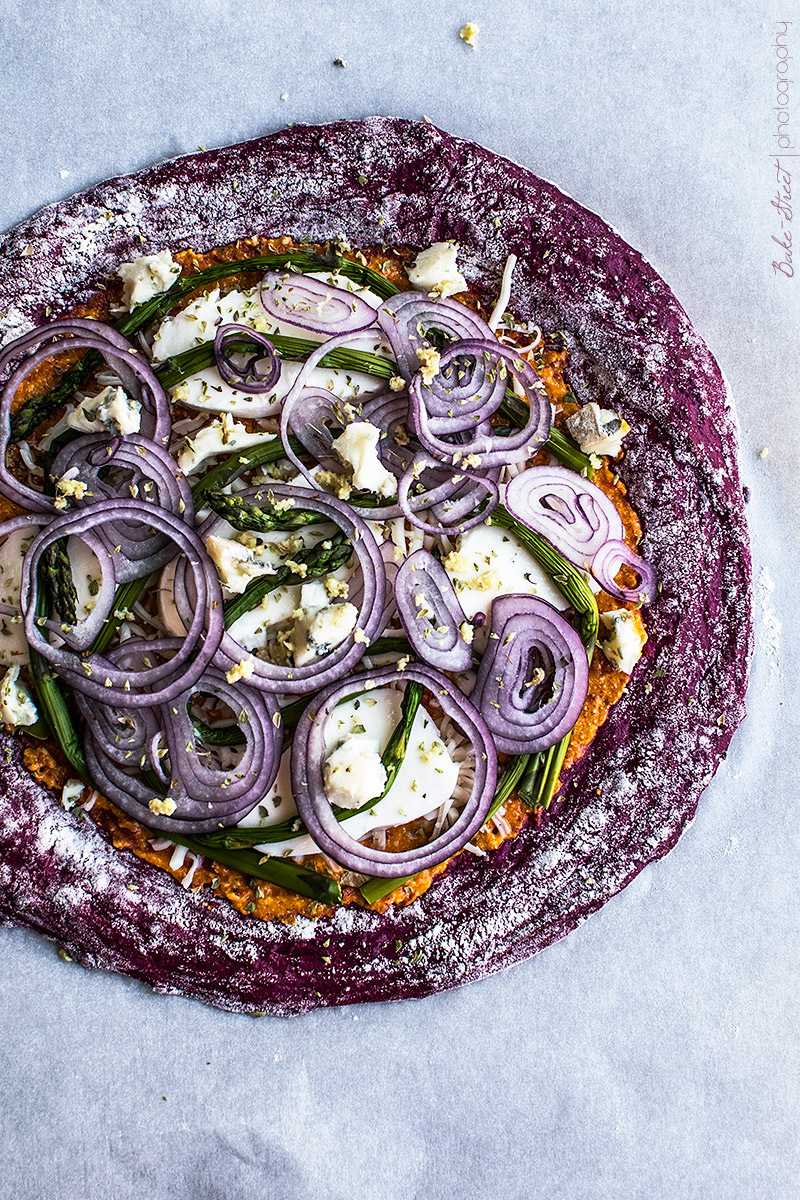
{"type": "Point", "coordinates": [571, 512]}
{"type": "Point", "coordinates": [408, 317]}
{"type": "Point", "coordinates": [153, 476]}
{"type": "Point", "coordinates": [583, 524]}
{"type": "Point", "coordinates": [206, 797]}
{"type": "Point", "coordinates": [251, 377]}
{"type": "Point", "coordinates": [313, 806]}
{"type": "Point", "coordinates": [472, 405]}
{"type": "Point", "coordinates": [608, 560]}
{"type": "Point", "coordinates": [157, 684]}
{"type": "Point", "coordinates": [136, 374]}
{"type": "Point", "coordinates": [431, 613]}
{"type": "Point", "coordinates": [450, 502]}
{"type": "Point", "coordinates": [527, 634]}
{"type": "Point", "coordinates": [313, 305]}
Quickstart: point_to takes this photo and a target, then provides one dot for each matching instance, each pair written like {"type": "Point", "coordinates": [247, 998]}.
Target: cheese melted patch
{"type": "Point", "coordinates": [490, 562]}
{"type": "Point", "coordinates": [425, 780]}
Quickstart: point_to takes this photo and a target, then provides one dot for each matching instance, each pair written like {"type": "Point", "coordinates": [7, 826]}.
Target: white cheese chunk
{"type": "Point", "coordinates": [357, 447]}
{"type": "Point", "coordinates": [318, 632]}
{"type": "Point", "coordinates": [236, 564]}
{"type": "Point", "coordinates": [220, 437]}
{"type": "Point", "coordinates": [435, 271]}
{"type": "Point", "coordinates": [625, 640]}
{"type": "Point", "coordinates": [16, 703]}
{"type": "Point", "coordinates": [111, 410]}
{"type": "Point", "coordinates": [71, 793]}
{"type": "Point", "coordinates": [147, 277]}
{"type": "Point", "coordinates": [354, 772]}
{"type": "Point", "coordinates": [598, 430]}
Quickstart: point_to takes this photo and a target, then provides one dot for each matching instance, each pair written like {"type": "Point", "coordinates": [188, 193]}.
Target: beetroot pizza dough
{"type": "Point", "coordinates": [632, 348]}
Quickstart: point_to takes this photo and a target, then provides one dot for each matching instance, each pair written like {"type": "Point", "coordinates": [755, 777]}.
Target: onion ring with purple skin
{"type": "Point", "coordinates": [582, 523]}
{"type": "Point", "coordinates": [608, 560]}
{"type": "Point", "coordinates": [431, 614]}
{"type": "Point", "coordinates": [153, 471]}
{"type": "Point", "coordinates": [348, 313]}
{"type": "Point", "coordinates": [407, 318]}
{"type": "Point", "coordinates": [451, 502]}
{"type": "Point", "coordinates": [205, 797]}
{"type": "Point", "coordinates": [247, 378]}
{"type": "Point", "coordinates": [137, 377]}
{"type": "Point", "coordinates": [156, 684]}
{"type": "Point", "coordinates": [313, 806]}
{"type": "Point", "coordinates": [485, 448]}
{"type": "Point", "coordinates": [526, 714]}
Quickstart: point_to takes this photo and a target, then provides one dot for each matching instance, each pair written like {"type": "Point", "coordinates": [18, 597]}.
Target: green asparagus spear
{"type": "Point", "coordinates": [263, 517]}
{"type": "Point", "coordinates": [281, 871]}
{"type": "Point", "coordinates": [173, 371]}
{"type": "Point", "coordinates": [234, 465]}
{"type": "Point", "coordinates": [52, 705]}
{"type": "Point", "coordinates": [319, 560]}
{"type": "Point", "coordinates": [568, 579]}
{"type": "Point", "coordinates": [60, 582]}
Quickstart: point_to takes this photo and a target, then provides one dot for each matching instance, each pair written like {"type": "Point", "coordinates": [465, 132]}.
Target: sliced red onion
{"type": "Point", "coordinates": [431, 614]}
{"type": "Point", "coordinates": [571, 512]}
{"type": "Point", "coordinates": [412, 321]}
{"type": "Point", "coordinates": [469, 387]}
{"type": "Point", "coordinates": [137, 377]}
{"type": "Point", "coordinates": [607, 562]}
{"type": "Point", "coordinates": [313, 304]}
{"type": "Point", "coordinates": [271, 677]}
{"type": "Point", "coordinates": [261, 369]}
{"type": "Point", "coordinates": [97, 676]}
{"type": "Point", "coordinates": [126, 735]}
{"type": "Point", "coordinates": [148, 473]}
{"type": "Point", "coordinates": [309, 415]}
{"type": "Point", "coordinates": [313, 806]}
{"type": "Point", "coordinates": [121, 744]}
{"type": "Point", "coordinates": [450, 502]}
{"type": "Point", "coordinates": [534, 675]}
{"type": "Point", "coordinates": [583, 524]}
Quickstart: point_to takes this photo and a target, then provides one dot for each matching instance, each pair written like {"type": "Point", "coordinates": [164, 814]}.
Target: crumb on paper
{"type": "Point", "coordinates": [469, 32]}
{"type": "Point", "coordinates": [340, 62]}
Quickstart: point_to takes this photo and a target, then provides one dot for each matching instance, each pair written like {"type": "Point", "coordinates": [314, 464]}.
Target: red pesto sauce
{"type": "Point", "coordinates": [258, 898]}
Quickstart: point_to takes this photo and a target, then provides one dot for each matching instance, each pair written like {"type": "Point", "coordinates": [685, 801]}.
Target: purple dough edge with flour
{"type": "Point", "coordinates": [393, 181]}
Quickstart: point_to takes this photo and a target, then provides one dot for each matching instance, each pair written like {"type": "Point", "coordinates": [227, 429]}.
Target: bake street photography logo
{"type": "Point", "coordinates": [785, 143]}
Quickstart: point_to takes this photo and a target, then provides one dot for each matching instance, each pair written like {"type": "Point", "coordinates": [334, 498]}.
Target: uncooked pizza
{"type": "Point", "coordinates": [375, 580]}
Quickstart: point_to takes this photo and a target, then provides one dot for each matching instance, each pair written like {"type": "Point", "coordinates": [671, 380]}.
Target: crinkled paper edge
{"type": "Point", "coordinates": [394, 181]}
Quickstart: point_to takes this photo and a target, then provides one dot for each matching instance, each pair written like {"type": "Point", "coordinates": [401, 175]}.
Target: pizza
{"type": "Point", "coordinates": [470, 601]}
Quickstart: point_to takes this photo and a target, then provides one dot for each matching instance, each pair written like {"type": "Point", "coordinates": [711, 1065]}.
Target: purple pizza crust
{"type": "Point", "coordinates": [633, 348]}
